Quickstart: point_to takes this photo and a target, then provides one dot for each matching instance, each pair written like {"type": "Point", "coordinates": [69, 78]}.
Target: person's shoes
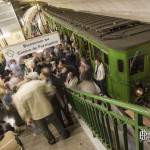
{"type": "Point", "coordinates": [66, 135]}
{"type": "Point", "coordinates": [53, 141]}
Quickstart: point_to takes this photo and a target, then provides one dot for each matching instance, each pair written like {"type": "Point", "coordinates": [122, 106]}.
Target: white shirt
{"type": "Point", "coordinates": [99, 72]}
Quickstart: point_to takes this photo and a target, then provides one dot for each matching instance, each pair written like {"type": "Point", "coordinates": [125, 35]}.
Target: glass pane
{"type": "Point", "coordinates": [106, 59]}
{"type": "Point", "coordinates": [96, 52]}
{"type": "Point", "coordinates": [120, 65]}
{"type": "Point", "coordinates": [136, 64]}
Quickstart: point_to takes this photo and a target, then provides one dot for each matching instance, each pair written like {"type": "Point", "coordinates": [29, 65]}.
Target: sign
{"type": "Point", "coordinates": [30, 46]}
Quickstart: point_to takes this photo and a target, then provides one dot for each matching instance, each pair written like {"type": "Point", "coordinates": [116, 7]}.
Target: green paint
{"type": "Point", "coordinates": [104, 121]}
{"type": "Point", "coordinates": [120, 85]}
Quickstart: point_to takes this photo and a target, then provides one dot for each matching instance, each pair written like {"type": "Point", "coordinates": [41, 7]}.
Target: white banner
{"type": "Point", "coordinates": [30, 46]}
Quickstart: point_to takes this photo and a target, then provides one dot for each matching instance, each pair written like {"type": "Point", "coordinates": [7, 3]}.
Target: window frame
{"type": "Point", "coordinates": [137, 69]}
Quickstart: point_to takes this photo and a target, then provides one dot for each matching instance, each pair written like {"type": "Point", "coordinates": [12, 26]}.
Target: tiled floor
{"type": "Point", "coordinates": [77, 141]}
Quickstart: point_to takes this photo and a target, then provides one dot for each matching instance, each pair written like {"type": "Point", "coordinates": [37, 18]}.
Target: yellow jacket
{"type": "Point", "coordinates": [9, 142]}
{"type": "Point", "coordinates": [32, 100]}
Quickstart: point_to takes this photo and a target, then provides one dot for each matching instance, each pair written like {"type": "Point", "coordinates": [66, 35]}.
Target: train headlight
{"type": "Point", "coordinates": [139, 91]}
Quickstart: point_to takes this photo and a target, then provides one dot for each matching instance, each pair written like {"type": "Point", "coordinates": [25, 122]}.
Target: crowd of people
{"type": "Point", "coordinates": [36, 93]}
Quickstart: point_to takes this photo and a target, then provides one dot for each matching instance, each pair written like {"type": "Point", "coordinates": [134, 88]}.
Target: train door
{"type": "Point", "coordinates": [118, 77]}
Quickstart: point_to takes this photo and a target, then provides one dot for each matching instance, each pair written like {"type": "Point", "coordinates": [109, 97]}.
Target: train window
{"type": "Point", "coordinates": [86, 45]}
{"type": "Point", "coordinates": [106, 59]}
{"type": "Point", "coordinates": [96, 52]}
{"type": "Point", "coordinates": [120, 65]}
{"type": "Point", "coordinates": [136, 64]}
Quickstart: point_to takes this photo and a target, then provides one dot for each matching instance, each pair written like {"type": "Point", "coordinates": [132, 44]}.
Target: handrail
{"type": "Point", "coordinates": [136, 108]}
{"type": "Point", "coordinates": [115, 129]}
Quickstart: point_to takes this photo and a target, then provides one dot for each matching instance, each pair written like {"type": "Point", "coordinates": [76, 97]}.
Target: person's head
{"type": "Point", "coordinates": [67, 49]}
{"type": "Point", "coordinates": [13, 61]}
{"type": "Point", "coordinates": [34, 55]}
{"type": "Point", "coordinates": [21, 78]}
{"type": "Point", "coordinates": [51, 54]}
{"type": "Point", "coordinates": [40, 55]}
{"type": "Point", "coordinates": [60, 47]}
{"type": "Point", "coordinates": [32, 65]}
{"type": "Point", "coordinates": [97, 61]}
{"type": "Point", "coordinates": [68, 46]}
{"type": "Point", "coordinates": [7, 79]}
{"type": "Point", "coordinates": [60, 64]}
{"type": "Point", "coordinates": [45, 72]}
{"type": "Point", "coordinates": [7, 87]}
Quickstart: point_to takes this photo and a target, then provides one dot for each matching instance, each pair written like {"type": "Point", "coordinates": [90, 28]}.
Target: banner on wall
{"type": "Point", "coordinates": [31, 46]}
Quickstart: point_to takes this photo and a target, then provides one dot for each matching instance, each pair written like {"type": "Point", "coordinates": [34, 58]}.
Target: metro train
{"type": "Point", "coordinates": [123, 45]}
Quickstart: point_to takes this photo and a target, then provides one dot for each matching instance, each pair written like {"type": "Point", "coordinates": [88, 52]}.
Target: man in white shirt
{"type": "Point", "coordinates": [100, 75]}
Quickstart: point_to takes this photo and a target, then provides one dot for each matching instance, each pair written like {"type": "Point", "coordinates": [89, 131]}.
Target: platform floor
{"type": "Point", "coordinates": [77, 141]}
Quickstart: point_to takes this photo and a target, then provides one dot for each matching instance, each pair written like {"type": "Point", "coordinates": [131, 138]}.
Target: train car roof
{"type": "Point", "coordinates": [115, 33]}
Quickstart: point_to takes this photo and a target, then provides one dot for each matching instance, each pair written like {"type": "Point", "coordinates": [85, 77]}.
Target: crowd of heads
{"type": "Point", "coordinates": [61, 63]}
{"type": "Point", "coordinates": [61, 66]}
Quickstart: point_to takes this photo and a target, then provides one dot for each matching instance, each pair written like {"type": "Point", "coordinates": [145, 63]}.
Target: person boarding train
{"type": "Point", "coordinates": [99, 75]}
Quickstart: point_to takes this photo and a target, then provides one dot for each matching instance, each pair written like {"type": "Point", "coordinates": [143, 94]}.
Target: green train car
{"type": "Point", "coordinates": [124, 46]}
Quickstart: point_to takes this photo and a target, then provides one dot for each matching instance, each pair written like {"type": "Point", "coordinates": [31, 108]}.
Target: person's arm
{"type": "Point", "coordinates": [22, 108]}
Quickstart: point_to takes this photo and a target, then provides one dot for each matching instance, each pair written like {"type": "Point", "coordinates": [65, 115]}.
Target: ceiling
{"type": "Point", "coordinates": [130, 9]}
